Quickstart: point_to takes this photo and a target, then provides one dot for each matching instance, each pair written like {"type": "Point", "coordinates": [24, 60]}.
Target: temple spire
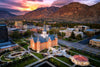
{"type": "Point", "coordinates": [38, 39]}
{"type": "Point", "coordinates": [56, 36]}
{"type": "Point", "coordinates": [31, 36]}
{"type": "Point", "coordinates": [44, 27]}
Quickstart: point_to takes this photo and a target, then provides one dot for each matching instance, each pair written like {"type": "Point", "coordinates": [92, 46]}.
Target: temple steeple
{"type": "Point", "coordinates": [44, 32]}
{"type": "Point", "coordinates": [44, 27]}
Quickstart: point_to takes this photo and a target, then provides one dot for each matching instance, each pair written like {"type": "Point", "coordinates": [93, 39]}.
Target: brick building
{"type": "Point", "coordinates": [43, 41]}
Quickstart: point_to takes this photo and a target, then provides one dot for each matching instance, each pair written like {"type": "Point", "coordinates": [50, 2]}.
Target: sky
{"type": "Point", "coordinates": [29, 5]}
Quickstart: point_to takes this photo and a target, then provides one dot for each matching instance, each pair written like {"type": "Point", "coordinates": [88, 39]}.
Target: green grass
{"type": "Point", "coordinates": [97, 64]}
{"type": "Point", "coordinates": [38, 55]}
{"type": "Point", "coordinates": [44, 51]}
{"type": "Point", "coordinates": [3, 59]}
{"type": "Point", "coordinates": [57, 63]}
{"type": "Point", "coordinates": [22, 62]}
{"type": "Point", "coordinates": [86, 54]}
{"type": "Point", "coordinates": [26, 46]}
{"type": "Point", "coordinates": [67, 60]}
{"type": "Point", "coordinates": [26, 62]}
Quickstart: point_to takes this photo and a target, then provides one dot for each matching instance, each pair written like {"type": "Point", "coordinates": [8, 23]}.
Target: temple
{"type": "Point", "coordinates": [43, 41]}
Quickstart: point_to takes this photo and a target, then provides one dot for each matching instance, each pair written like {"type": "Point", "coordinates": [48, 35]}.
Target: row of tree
{"type": "Point", "coordinates": [17, 34]}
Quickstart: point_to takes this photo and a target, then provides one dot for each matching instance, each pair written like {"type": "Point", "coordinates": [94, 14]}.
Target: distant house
{"type": "Point", "coordinates": [92, 30]}
{"type": "Point", "coordinates": [19, 24]}
{"type": "Point", "coordinates": [81, 27]}
{"type": "Point", "coordinates": [69, 31]}
{"type": "Point", "coordinates": [95, 42]}
{"type": "Point", "coordinates": [43, 41]}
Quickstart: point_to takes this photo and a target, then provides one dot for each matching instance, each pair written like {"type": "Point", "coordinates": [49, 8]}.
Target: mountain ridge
{"type": "Point", "coordinates": [72, 12]}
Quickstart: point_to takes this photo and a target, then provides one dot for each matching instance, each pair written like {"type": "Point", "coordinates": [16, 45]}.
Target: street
{"type": "Point", "coordinates": [79, 46]}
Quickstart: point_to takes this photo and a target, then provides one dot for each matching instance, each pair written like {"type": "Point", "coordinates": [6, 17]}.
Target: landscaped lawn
{"type": "Point", "coordinates": [57, 63]}
{"type": "Point", "coordinates": [67, 60]}
{"type": "Point", "coordinates": [26, 46]}
{"type": "Point", "coordinates": [38, 55]}
{"type": "Point", "coordinates": [22, 62]}
{"type": "Point", "coordinates": [3, 59]}
{"type": "Point", "coordinates": [86, 54]}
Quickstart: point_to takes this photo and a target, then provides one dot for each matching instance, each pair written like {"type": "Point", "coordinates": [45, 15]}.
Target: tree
{"type": "Point", "coordinates": [15, 35]}
{"type": "Point", "coordinates": [78, 37]}
{"type": "Point", "coordinates": [90, 34]}
{"type": "Point", "coordinates": [72, 35]}
{"type": "Point", "coordinates": [62, 34]}
{"type": "Point", "coordinates": [27, 33]}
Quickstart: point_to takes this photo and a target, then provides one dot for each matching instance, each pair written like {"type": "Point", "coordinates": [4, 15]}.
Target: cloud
{"type": "Point", "coordinates": [13, 3]}
{"type": "Point", "coordinates": [36, 0]}
{"type": "Point", "coordinates": [59, 3]}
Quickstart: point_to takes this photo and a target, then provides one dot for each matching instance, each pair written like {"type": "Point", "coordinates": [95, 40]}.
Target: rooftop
{"type": "Point", "coordinates": [7, 44]}
{"type": "Point", "coordinates": [41, 39]}
{"type": "Point", "coordinates": [2, 24]}
{"type": "Point", "coordinates": [96, 40]}
{"type": "Point", "coordinates": [80, 58]}
{"type": "Point", "coordinates": [90, 30]}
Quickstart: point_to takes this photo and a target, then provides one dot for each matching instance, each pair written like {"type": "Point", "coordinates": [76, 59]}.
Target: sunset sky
{"type": "Point", "coordinates": [29, 5]}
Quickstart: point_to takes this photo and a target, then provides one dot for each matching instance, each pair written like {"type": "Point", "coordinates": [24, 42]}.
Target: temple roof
{"type": "Point", "coordinates": [41, 39]}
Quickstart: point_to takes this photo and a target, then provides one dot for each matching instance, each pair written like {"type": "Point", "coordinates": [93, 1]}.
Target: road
{"type": "Point", "coordinates": [86, 41]}
{"type": "Point", "coordinates": [80, 46]}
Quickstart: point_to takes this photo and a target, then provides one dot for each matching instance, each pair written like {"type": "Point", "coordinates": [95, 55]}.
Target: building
{"type": "Point", "coordinates": [3, 33]}
{"type": "Point", "coordinates": [92, 30]}
{"type": "Point", "coordinates": [5, 43]}
{"type": "Point", "coordinates": [95, 42]}
{"type": "Point", "coordinates": [28, 26]}
{"type": "Point", "coordinates": [43, 41]}
{"type": "Point", "coordinates": [81, 27]}
{"type": "Point", "coordinates": [19, 24]}
{"type": "Point", "coordinates": [11, 30]}
{"type": "Point", "coordinates": [80, 60]}
{"type": "Point", "coordinates": [69, 31]}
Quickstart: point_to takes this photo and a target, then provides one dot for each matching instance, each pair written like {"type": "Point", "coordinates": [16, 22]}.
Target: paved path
{"type": "Point", "coordinates": [79, 46]}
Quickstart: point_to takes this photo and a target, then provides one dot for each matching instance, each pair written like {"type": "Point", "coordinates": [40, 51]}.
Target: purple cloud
{"type": "Point", "coordinates": [59, 3]}
{"type": "Point", "coordinates": [36, 0]}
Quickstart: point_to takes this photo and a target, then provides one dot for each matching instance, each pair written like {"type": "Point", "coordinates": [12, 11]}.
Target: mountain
{"type": "Point", "coordinates": [75, 11]}
{"type": "Point", "coordinates": [78, 12]}
{"type": "Point", "coordinates": [40, 13]}
{"type": "Point", "coordinates": [5, 14]}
